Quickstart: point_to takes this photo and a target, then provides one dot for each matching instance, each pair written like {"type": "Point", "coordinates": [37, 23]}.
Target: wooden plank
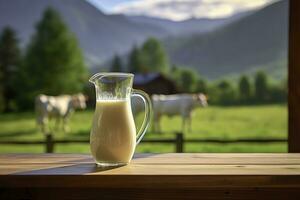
{"type": "Point", "coordinates": [15, 159]}
{"type": "Point", "coordinates": [150, 176]}
{"type": "Point", "coordinates": [167, 158]}
{"type": "Point", "coordinates": [294, 80]}
{"type": "Point", "coordinates": [149, 165]}
{"type": "Point", "coordinates": [222, 159]}
{"type": "Point", "coordinates": [146, 193]}
{"type": "Point", "coordinates": [148, 169]}
{"type": "Point", "coordinates": [178, 181]}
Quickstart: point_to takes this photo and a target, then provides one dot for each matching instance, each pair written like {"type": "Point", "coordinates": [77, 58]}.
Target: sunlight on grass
{"type": "Point", "coordinates": [212, 122]}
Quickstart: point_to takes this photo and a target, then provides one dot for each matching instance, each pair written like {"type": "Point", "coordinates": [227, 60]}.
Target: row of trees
{"type": "Point", "coordinates": [51, 64]}
{"type": "Point", "coordinates": [255, 89]}
{"type": "Point", "coordinates": [151, 57]}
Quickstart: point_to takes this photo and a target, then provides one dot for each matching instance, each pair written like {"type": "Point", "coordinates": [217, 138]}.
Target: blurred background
{"type": "Point", "coordinates": [232, 51]}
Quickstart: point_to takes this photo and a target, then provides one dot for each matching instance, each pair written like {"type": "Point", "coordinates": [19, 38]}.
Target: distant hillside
{"type": "Point", "coordinates": [188, 26]}
{"type": "Point", "coordinates": [243, 42]}
{"type": "Point", "coordinates": [100, 35]}
{"type": "Point", "coordinates": [258, 40]}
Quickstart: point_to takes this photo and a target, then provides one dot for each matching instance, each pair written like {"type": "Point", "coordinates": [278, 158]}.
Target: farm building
{"type": "Point", "coordinates": [154, 83]}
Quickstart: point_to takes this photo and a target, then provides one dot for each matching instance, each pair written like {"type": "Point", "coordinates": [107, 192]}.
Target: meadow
{"type": "Point", "coordinates": [264, 121]}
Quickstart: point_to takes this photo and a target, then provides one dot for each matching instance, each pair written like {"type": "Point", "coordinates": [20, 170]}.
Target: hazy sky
{"type": "Point", "coordinates": [179, 9]}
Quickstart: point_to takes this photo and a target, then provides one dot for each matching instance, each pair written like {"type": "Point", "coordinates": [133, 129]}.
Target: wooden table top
{"type": "Point", "coordinates": [186, 170]}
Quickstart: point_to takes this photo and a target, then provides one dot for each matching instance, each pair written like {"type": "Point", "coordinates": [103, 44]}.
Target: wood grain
{"type": "Point", "coordinates": [150, 176]}
{"type": "Point", "coordinates": [167, 158]}
{"type": "Point", "coordinates": [152, 194]}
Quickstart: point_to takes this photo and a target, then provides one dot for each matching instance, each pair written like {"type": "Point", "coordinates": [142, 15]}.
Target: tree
{"type": "Point", "coordinates": [53, 63]}
{"type": "Point", "coordinates": [261, 86]}
{"type": "Point", "coordinates": [244, 89]}
{"type": "Point", "coordinates": [174, 68]}
{"type": "Point", "coordinates": [116, 64]}
{"type": "Point", "coordinates": [201, 86]}
{"type": "Point", "coordinates": [224, 85]}
{"type": "Point", "coordinates": [278, 94]}
{"type": "Point", "coordinates": [135, 63]}
{"type": "Point", "coordinates": [278, 91]}
{"type": "Point", "coordinates": [185, 78]}
{"type": "Point", "coordinates": [9, 63]}
{"type": "Point", "coordinates": [153, 57]}
{"type": "Point", "coordinates": [226, 94]}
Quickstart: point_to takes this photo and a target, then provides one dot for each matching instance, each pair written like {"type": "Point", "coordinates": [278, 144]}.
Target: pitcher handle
{"type": "Point", "coordinates": [148, 113]}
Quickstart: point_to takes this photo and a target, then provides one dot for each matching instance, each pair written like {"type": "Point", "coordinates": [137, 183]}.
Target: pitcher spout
{"type": "Point", "coordinates": [96, 77]}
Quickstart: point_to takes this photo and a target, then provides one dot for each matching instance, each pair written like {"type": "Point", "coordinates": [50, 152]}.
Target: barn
{"type": "Point", "coordinates": [154, 83]}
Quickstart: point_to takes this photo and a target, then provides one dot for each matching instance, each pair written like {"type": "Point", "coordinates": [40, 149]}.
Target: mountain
{"type": "Point", "coordinates": [241, 43]}
{"type": "Point", "coordinates": [189, 26]}
{"type": "Point", "coordinates": [99, 35]}
{"type": "Point", "coordinates": [258, 40]}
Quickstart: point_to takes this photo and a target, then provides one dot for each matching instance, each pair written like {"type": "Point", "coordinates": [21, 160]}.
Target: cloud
{"type": "Point", "coordinates": [183, 9]}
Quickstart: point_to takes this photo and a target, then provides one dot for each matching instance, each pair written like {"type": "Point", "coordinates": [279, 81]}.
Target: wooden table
{"type": "Point", "coordinates": [151, 176]}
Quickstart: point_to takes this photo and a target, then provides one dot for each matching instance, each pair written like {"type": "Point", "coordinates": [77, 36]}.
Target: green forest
{"type": "Point", "coordinates": [257, 88]}
{"type": "Point", "coordinates": [53, 64]}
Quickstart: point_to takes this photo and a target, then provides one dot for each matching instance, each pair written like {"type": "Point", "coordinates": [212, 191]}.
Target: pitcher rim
{"type": "Point", "coordinates": [115, 74]}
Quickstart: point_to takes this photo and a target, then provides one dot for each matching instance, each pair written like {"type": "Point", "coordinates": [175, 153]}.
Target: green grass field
{"type": "Point", "coordinates": [212, 122]}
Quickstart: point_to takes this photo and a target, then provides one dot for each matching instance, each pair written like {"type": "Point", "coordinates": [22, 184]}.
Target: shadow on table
{"type": "Point", "coordinates": [78, 169]}
{"type": "Point", "coordinates": [84, 166]}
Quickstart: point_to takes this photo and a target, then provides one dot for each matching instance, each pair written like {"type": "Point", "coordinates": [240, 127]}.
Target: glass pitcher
{"type": "Point", "coordinates": [113, 135]}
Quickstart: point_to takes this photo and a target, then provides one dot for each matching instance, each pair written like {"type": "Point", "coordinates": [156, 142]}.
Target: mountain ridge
{"type": "Point", "coordinates": [254, 41]}
{"type": "Point", "coordinates": [99, 35]}
{"type": "Point", "coordinates": [242, 43]}
{"type": "Point", "coordinates": [188, 26]}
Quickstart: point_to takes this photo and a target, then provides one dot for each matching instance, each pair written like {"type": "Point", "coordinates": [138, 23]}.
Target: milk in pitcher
{"type": "Point", "coordinates": [113, 134]}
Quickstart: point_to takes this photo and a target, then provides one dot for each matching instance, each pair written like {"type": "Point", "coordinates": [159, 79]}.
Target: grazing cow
{"type": "Point", "coordinates": [57, 107]}
{"type": "Point", "coordinates": [178, 104]}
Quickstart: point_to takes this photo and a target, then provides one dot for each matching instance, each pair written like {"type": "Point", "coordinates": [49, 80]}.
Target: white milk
{"type": "Point", "coordinates": [113, 135]}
